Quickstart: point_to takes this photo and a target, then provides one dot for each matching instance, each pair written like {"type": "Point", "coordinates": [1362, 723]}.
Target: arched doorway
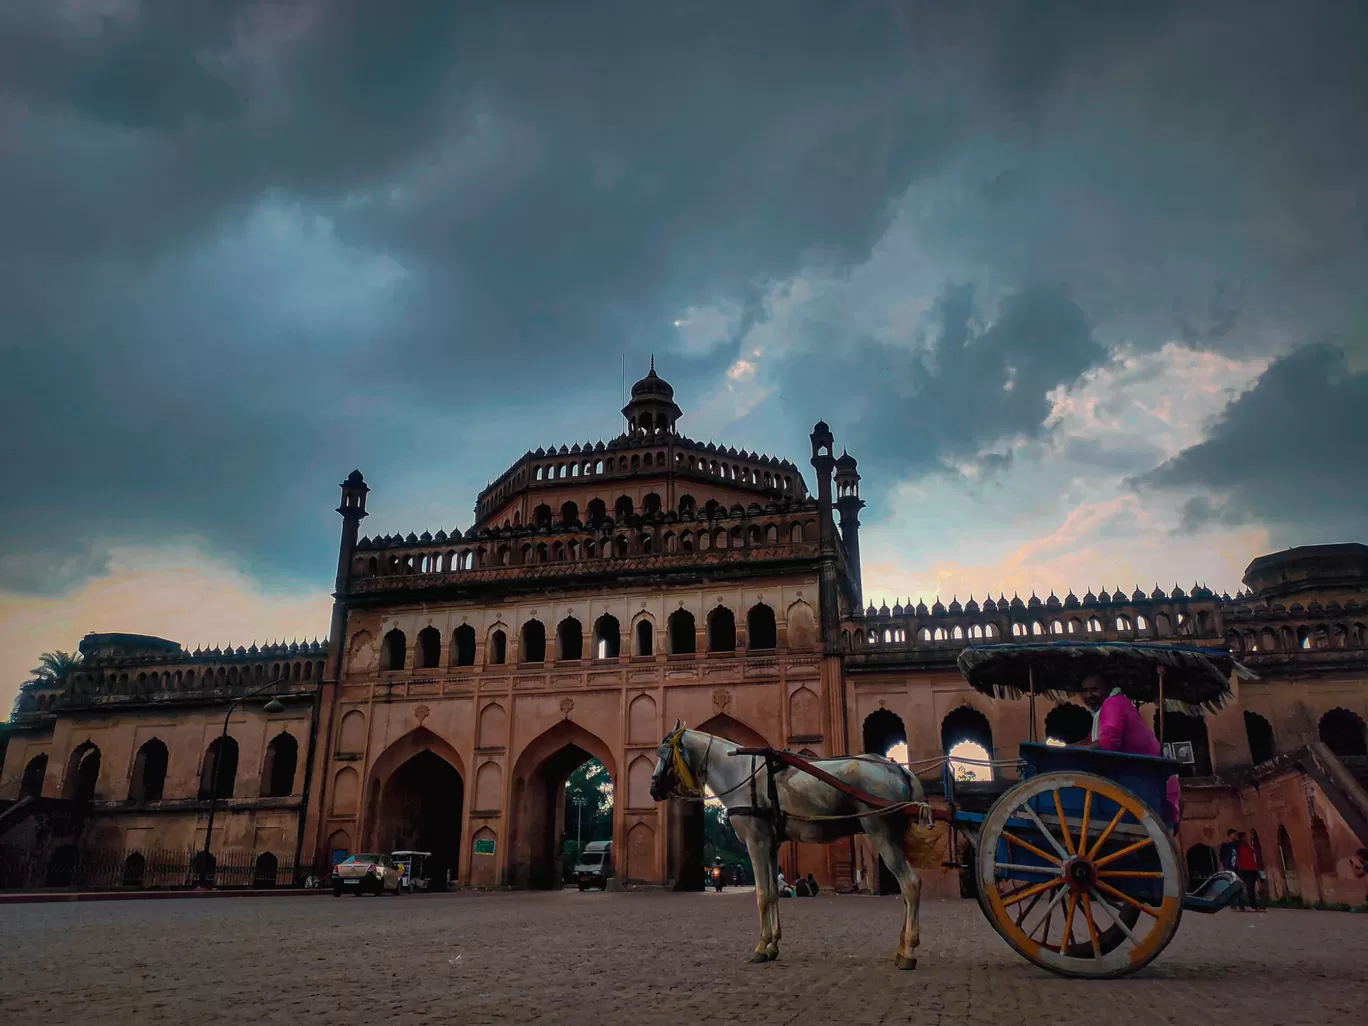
{"type": "Point", "coordinates": [967, 738]}
{"type": "Point", "coordinates": [416, 801]}
{"type": "Point", "coordinates": [1342, 731]}
{"type": "Point", "coordinates": [1182, 727]}
{"type": "Point", "coordinates": [1201, 864]}
{"type": "Point", "coordinates": [1260, 735]}
{"type": "Point", "coordinates": [884, 733]}
{"type": "Point", "coordinates": [83, 773]}
{"type": "Point", "coordinates": [1067, 724]}
{"type": "Point", "coordinates": [689, 819]}
{"type": "Point", "coordinates": [539, 802]}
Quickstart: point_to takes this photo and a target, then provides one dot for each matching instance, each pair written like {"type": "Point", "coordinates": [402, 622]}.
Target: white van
{"type": "Point", "coordinates": [595, 865]}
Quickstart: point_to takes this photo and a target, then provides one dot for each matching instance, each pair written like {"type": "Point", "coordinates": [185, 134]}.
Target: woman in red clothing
{"type": "Point", "coordinates": [1247, 866]}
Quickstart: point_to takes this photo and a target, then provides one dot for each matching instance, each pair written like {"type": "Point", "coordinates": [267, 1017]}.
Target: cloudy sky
{"type": "Point", "coordinates": [1082, 285]}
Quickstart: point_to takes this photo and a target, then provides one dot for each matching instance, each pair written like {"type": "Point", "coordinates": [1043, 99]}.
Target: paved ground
{"type": "Point", "coordinates": [639, 958]}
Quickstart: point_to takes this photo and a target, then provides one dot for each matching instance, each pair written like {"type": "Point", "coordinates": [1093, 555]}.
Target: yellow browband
{"type": "Point", "coordinates": [687, 781]}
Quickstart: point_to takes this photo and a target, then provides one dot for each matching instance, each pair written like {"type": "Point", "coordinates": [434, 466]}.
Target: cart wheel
{"type": "Point", "coordinates": [1099, 898]}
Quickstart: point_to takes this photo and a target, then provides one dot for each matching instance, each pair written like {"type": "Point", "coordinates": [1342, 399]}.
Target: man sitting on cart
{"type": "Point", "coordinates": [1117, 727]}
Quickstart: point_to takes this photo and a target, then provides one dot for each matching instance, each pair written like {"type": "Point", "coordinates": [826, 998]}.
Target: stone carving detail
{"type": "Point", "coordinates": [567, 705]}
{"type": "Point", "coordinates": [721, 700]}
{"type": "Point", "coordinates": [421, 713]}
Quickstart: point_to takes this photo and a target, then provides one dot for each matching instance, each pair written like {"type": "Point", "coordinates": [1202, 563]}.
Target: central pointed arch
{"type": "Point", "coordinates": [415, 799]}
{"type": "Point", "coordinates": [537, 803]}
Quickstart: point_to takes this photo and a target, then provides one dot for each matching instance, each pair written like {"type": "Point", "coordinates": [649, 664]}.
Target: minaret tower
{"type": "Point", "coordinates": [352, 511]}
{"type": "Point", "coordinates": [849, 503]}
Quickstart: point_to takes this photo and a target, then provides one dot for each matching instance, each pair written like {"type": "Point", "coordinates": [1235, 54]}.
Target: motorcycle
{"type": "Point", "coordinates": [717, 878]}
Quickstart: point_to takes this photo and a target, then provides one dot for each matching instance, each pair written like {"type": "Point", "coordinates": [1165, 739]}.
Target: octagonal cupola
{"type": "Point", "coordinates": [652, 408]}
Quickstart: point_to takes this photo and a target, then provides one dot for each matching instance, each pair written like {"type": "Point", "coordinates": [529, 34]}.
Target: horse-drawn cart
{"type": "Point", "coordinates": [1073, 863]}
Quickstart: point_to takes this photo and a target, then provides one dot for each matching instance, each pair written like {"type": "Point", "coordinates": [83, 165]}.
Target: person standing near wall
{"type": "Point", "coordinates": [1229, 857]}
{"type": "Point", "coordinates": [1248, 868]}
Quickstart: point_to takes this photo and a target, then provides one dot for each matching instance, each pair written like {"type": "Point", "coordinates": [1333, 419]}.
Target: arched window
{"type": "Point", "coordinates": [429, 651]}
{"type": "Point", "coordinates": [394, 650]}
{"type": "Point", "coordinates": [686, 505]}
{"type": "Point", "coordinates": [533, 647]}
{"type": "Point", "coordinates": [282, 755]}
{"type": "Point", "coordinates": [570, 640]}
{"type": "Point", "coordinates": [1342, 732]}
{"type": "Point", "coordinates": [761, 631]}
{"type": "Point", "coordinates": [1018, 630]}
{"type": "Point", "coordinates": [650, 505]}
{"type": "Point", "coordinates": [1056, 627]}
{"type": "Point", "coordinates": [541, 516]}
{"type": "Point", "coordinates": [1068, 724]}
{"type": "Point", "coordinates": [569, 514]}
{"type": "Point", "coordinates": [223, 754]}
{"type": "Point", "coordinates": [149, 772]}
{"type": "Point", "coordinates": [607, 637]}
{"type": "Point", "coordinates": [683, 634]}
{"type": "Point", "coordinates": [463, 646]}
{"type": "Point", "coordinates": [623, 508]}
{"type": "Point", "coordinates": [721, 630]}
{"type": "Point", "coordinates": [1260, 734]}
{"type": "Point", "coordinates": [498, 648]}
{"type": "Point", "coordinates": [31, 786]}
{"type": "Point", "coordinates": [1123, 624]}
{"type": "Point", "coordinates": [645, 637]}
{"type": "Point", "coordinates": [598, 510]}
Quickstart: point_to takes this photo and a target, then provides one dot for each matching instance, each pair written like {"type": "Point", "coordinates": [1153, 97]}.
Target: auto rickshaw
{"type": "Point", "coordinates": [414, 865]}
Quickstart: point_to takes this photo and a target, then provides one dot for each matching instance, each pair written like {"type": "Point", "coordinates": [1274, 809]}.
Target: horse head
{"type": "Point", "coordinates": [673, 776]}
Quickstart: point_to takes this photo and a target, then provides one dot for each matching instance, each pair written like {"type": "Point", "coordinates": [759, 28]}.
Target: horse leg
{"type": "Point", "coordinates": [772, 927]}
{"type": "Point", "coordinates": [887, 835]}
{"type": "Point", "coordinates": [759, 851]}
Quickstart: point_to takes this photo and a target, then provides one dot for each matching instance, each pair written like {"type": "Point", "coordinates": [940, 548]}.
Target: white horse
{"type": "Point", "coordinates": [691, 763]}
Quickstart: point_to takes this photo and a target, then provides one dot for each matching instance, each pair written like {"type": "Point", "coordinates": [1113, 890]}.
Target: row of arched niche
{"type": "Point", "coordinates": [966, 733]}
{"type": "Point", "coordinates": [147, 782]}
{"type": "Point", "coordinates": [605, 641]}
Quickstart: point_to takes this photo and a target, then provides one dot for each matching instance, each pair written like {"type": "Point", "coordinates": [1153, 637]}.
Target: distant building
{"type": "Point", "coordinates": [604, 591]}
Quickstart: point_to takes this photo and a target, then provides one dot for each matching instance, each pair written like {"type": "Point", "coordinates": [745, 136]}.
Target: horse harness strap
{"type": "Point", "coordinates": [772, 812]}
{"type": "Point", "coordinates": [775, 758]}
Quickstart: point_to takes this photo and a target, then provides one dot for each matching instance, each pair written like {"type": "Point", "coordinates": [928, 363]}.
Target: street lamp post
{"type": "Point", "coordinates": [579, 822]}
{"type": "Point", "coordinates": [205, 878]}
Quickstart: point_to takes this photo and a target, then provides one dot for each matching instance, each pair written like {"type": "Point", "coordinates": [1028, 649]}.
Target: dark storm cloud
{"type": "Point", "coordinates": [250, 245]}
{"type": "Point", "coordinates": [975, 377]}
{"type": "Point", "coordinates": [1287, 453]}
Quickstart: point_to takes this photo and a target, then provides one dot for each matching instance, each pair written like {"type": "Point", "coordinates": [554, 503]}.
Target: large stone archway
{"type": "Point", "coordinates": [537, 802]}
{"type": "Point", "coordinates": [416, 801]}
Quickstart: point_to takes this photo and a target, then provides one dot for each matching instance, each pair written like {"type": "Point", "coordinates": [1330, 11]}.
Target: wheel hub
{"type": "Point", "coordinates": [1080, 873]}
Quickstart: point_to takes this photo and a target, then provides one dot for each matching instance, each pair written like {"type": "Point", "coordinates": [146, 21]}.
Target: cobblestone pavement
{"type": "Point", "coordinates": [639, 958]}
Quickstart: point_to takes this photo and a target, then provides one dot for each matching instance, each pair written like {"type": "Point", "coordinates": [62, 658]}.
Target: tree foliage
{"type": "Point", "coordinates": [55, 668]}
{"type": "Point", "coordinates": [594, 822]}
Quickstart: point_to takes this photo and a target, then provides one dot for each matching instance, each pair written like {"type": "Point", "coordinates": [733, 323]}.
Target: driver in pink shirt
{"type": "Point", "coordinates": [1117, 727]}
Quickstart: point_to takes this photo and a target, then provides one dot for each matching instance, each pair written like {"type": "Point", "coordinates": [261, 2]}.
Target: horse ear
{"type": "Point", "coordinates": [679, 725]}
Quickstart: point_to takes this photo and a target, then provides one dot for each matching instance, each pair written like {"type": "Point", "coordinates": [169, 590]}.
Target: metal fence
{"type": "Point", "coordinates": [70, 868]}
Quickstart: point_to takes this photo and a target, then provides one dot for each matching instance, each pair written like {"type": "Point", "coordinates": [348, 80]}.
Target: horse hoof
{"type": "Point", "coordinates": [905, 963]}
{"type": "Point", "coordinates": [759, 956]}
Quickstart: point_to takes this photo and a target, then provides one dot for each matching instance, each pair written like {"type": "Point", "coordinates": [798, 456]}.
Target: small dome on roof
{"type": "Point", "coordinates": [845, 461]}
{"type": "Point", "coordinates": [653, 384]}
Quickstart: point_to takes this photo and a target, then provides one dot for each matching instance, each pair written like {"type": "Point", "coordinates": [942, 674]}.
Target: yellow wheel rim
{"type": "Point", "coordinates": [1079, 876]}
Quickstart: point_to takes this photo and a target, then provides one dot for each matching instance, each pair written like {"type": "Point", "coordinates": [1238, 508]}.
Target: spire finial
{"type": "Point", "coordinates": [653, 363]}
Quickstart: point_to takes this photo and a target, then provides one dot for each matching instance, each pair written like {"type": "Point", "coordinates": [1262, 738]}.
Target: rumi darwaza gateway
{"type": "Point", "coordinates": [605, 591]}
